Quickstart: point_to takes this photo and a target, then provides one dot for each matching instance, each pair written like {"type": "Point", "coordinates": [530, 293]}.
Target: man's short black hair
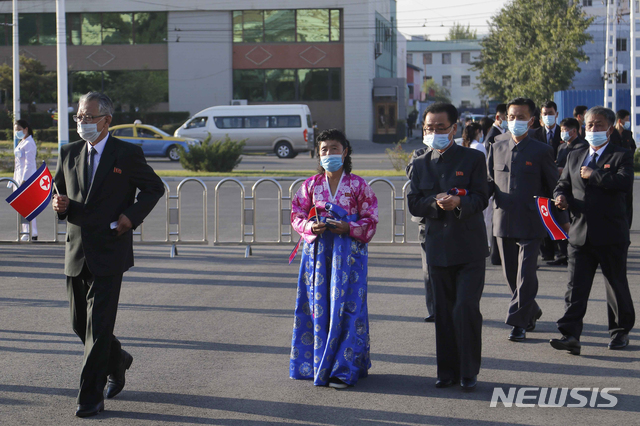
{"type": "Point", "coordinates": [570, 123]}
{"type": "Point", "coordinates": [501, 108]}
{"type": "Point", "coordinates": [548, 105]}
{"type": "Point", "coordinates": [622, 114]}
{"type": "Point", "coordinates": [439, 107]}
{"type": "Point", "coordinates": [523, 101]}
{"type": "Point", "coordinates": [579, 110]}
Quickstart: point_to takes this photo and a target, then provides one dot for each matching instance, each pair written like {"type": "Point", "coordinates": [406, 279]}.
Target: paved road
{"type": "Point", "coordinates": [210, 333]}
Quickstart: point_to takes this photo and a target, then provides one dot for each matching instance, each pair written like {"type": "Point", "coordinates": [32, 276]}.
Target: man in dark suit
{"type": "Point", "coordinates": [97, 179]}
{"type": "Point", "coordinates": [570, 132]}
{"type": "Point", "coordinates": [449, 190]}
{"type": "Point", "coordinates": [520, 168]}
{"type": "Point", "coordinates": [578, 114]}
{"type": "Point", "coordinates": [428, 287]}
{"type": "Point", "coordinates": [549, 133]}
{"type": "Point", "coordinates": [624, 137]}
{"type": "Point", "coordinates": [499, 127]}
{"type": "Point", "coordinates": [593, 187]}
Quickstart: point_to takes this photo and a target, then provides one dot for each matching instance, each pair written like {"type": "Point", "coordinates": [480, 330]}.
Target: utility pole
{"type": "Point", "coordinates": [610, 64]}
{"type": "Point", "coordinates": [16, 70]}
{"type": "Point", "coordinates": [63, 89]}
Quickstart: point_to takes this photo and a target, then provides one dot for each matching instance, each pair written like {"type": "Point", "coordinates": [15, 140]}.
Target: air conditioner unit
{"type": "Point", "coordinates": [239, 102]}
{"type": "Point", "coordinates": [378, 49]}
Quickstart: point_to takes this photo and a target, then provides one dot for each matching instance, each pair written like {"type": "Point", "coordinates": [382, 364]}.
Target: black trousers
{"type": "Point", "coordinates": [519, 264]}
{"type": "Point", "coordinates": [428, 286]}
{"type": "Point", "coordinates": [547, 248]}
{"type": "Point", "coordinates": [583, 263]}
{"type": "Point", "coordinates": [458, 290]}
{"type": "Point", "coordinates": [94, 302]}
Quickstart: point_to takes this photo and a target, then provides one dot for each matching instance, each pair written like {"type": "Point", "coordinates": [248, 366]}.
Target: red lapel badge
{"type": "Point", "coordinates": [459, 174]}
{"type": "Point", "coordinates": [607, 166]}
{"type": "Point", "coordinates": [117, 170]}
{"type": "Point", "coordinates": [529, 163]}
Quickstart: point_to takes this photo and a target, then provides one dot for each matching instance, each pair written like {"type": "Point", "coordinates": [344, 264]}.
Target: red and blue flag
{"type": "Point", "coordinates": [546, 214]}
{"type": "Point", "coordinates": [33, 196]}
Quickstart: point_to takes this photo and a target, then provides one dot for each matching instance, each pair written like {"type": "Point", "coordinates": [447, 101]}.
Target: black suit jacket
{"type": "Point", "coordinates": [565, 148]}
{"type": "Point", "coordinates": [517, 173]}
{"type": "Point", "coordinates": [541, 134]}
{"type": "Point", "coordinates": [597, 205]}
{"type": "Point", "coordinates": [122, 170]}
{"type": "Point", "coordinates": [451, 237]}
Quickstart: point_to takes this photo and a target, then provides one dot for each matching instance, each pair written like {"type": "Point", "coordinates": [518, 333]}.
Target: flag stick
{"type": "Point", "coordinates": [56, 188]}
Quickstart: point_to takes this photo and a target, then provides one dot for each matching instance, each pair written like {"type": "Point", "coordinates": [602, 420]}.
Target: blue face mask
{"type": "Point", "coordinates": [436, 141]}
{"type": "Point", "coordinates": [518, 127]}
{"type": "Point", "coordinates": [565, 136]}
{"type": "Point", "coordinates": [481, 138]}
{"type": "Point", "coordinates": [627, 125]}
{"type": "Point", "coordinates": [549, 120]}
{"type": "Point", "coordinates": [20, 134]}
{"type": "Point", "coordinates": [596, 139]}
{"type": "Point", "coordinates": [331, 163]}
{"type": "Point", "coordinates": [504, 124]}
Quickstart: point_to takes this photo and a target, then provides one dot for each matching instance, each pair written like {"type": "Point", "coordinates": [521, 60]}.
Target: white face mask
{"type": "Point", "coordinates": [89, 131]}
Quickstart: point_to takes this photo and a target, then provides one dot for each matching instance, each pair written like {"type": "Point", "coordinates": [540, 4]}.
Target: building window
{"type": "Point", "coordinates": [587, 3]}
{"type": "Point", "coordinates": [465, 81]}
{"type": "Point", "coordinates": [427, 58]}
{"type": "Point", "coordinates": [446, 81]}
{"type": "Point", "coordinates": [287, 26]}
{"type": "Point", "coordinates": [36, 29]}
{"type": "Point", "coordinates": [410, 58]}
{"type": "Point", "coordinates": [622, 77]}
{"type": "Point", "coordinates": [446, 58]}
{"type": "Point", "coordinates": [91, 29]}
{"type": "Point", "coordinates": [465, 104]}
{"type": "Point", "coordinates": [427, 77]}
{"type": "Point", "coordinates": [465, 58]}
{"type": "Point", "coordinates": [411, 91]}
{"type": "Point", "coordinates": [6, 35]}
{"type": "Point", "coordinates": [621, 44]}
{"type": "Point", "coordinates": [281, 85]}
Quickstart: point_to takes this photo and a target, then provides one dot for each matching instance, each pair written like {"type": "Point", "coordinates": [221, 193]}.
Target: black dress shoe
{"type": "Point", "coordinates": [545, 258]}
{"type": "Point", "coordinates": [621, 341]}
{"type": "Point", "coordinates": [518, 334]}
{"type": "Point", "coordinates": [566, 343]}
{"type": "Point", "coordinates": [430, 318]}
{"type": "Point", "coordinates": [88, 410]}
{"type": "Point", "coordinates": [445, 383]}
{"type": "Point", "coordinates": [532, 323]}
{"type": "Point", "coordinates": [561, 261]}
{"type": "Point", "coordinates": [469, 383]}
{"type": "Point", "coordinates": [116, 381]}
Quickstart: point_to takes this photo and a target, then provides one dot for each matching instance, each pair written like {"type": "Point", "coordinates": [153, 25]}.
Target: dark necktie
{"type": "Point", "coordinates": [92, 154]}
{"type": "Point", "coordinates": [550, 137]}
{"type": "Point", "coordinates": [593, 163]}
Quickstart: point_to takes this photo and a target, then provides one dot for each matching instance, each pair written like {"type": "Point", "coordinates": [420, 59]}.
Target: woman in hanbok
{"type": "Point", "coordinates": [330, 343]}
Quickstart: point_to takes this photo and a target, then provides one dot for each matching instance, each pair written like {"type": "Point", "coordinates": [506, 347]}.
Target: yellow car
{"type": "Point", "coordinates": [153, 141]}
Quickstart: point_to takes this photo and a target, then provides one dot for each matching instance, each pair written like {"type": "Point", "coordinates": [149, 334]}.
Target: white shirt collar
{"type": "Point", "coordinates": [99, 147]}
{"type": "Point", "coordinates": [600, 151]}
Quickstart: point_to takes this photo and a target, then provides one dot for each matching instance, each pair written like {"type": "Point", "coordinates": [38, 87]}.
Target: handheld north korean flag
{"type": "Point", "coordinates": [549, 222]}
{"type": "Point", "coordinates": [33, 196]}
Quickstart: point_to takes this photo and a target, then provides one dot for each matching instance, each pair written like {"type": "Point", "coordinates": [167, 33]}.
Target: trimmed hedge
{"type": "Point", "coordinates": [213, 156]}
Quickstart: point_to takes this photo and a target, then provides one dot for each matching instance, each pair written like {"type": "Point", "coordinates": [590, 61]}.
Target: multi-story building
{"type": "Point", "coordinates": [448, 63]}
{"type": "Point", "coordinates": [339, 58]}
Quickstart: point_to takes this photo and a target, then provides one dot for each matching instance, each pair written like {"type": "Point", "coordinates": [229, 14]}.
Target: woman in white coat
{"type": "Point", "coordinates": [25, 164]}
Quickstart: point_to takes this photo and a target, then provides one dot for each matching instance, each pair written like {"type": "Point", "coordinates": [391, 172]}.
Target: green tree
{"type": "Point", "coordinates": [459, 32]}
{"type": "Point", "coordinates": [138, 89]}
{"type": "Point", "coordinates": [434, 92]}
{"type": "Point", "coordinates": [36, 84]}
{"type": "Point", "coordinates": [532, 50]}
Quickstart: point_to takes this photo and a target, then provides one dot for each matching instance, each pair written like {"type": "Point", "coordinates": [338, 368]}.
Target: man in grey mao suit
{"type": "Point", "coordinates": [520, 168]}
{"type": "Point", "coordinates": [98, 178]}
{"type": "Point", "coordinates": [449, 190]}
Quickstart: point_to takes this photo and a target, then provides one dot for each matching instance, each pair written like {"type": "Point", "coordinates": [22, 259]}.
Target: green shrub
{"type": "Point", "coordinates": [398, 156]}
{"type": "Point", "coordinates": [7, 161]}
{"type": "Point", "coordinates": [636, 161]}
{"type": "Point", "coordinates": [216, 156]}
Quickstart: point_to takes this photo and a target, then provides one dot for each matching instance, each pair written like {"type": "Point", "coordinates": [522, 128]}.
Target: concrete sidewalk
{"type": "Point", "coordinates": [210, 332]}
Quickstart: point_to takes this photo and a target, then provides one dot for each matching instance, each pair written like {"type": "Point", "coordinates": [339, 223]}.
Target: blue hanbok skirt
{"type": "Point", "coordinates": [331, 324]}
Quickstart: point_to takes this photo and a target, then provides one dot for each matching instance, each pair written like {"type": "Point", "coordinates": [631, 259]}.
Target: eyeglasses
{"type": "Point", "coordinates": [87, 118]}
{"type": "Point", "coordinates": [440, 130]}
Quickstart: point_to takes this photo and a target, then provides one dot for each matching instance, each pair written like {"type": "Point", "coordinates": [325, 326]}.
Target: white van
{"type": "Point", "coordinates": [284, 129]}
